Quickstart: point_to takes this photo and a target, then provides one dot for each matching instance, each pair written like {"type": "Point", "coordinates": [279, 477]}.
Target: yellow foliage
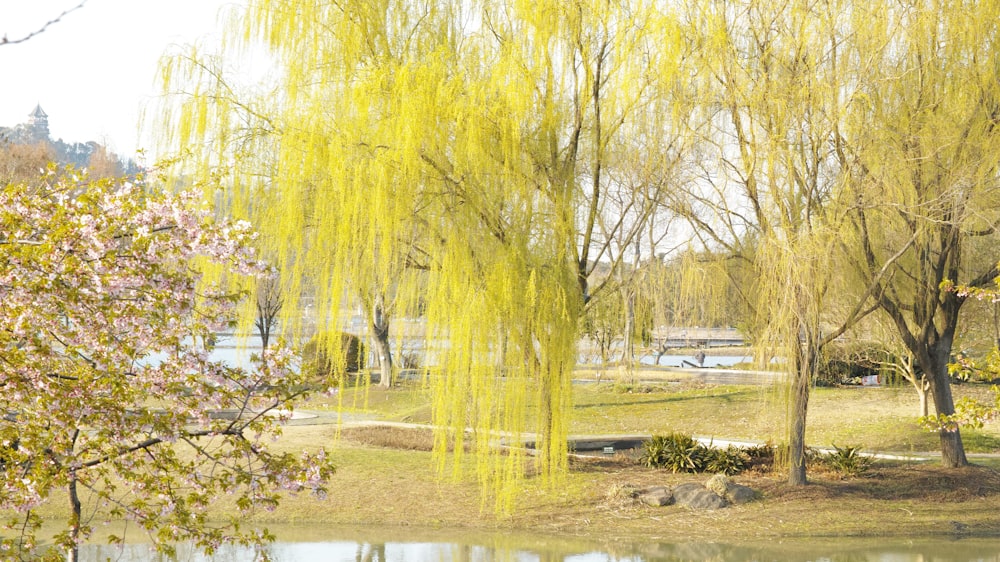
{"type": "Point", "coordinates": [430, 155]}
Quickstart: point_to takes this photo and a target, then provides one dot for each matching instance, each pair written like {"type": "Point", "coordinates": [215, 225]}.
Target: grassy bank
{"type": "Point", "coordinates": [386, 476]}
{"type": "Point", "coordinates": [394, 487]}
{"type": "Point", "coordinates": [879, 419]}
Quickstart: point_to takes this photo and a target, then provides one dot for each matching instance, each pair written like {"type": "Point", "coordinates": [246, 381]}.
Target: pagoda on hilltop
{"type": "Point", "coordinates": [33, 131]}
{"type": "Point", "coordinates": [38, 124]}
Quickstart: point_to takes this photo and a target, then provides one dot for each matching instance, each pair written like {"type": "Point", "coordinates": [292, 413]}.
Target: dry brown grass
{"type": "Point", "coordinates": [893, 500]}
{"type": "Point", "coordinates": [403, 438]}
{"type": "Point", "coordinates": [386, 476]}
{"type": "Point", "coordinates": [393, 437]}
{"type": "Point", "coordinates": [383, 486]}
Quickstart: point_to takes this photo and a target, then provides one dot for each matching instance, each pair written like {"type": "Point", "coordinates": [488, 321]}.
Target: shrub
{"type": "Point", "coordinates": [681, 453]}
{"type": "Point", "coordinates": [653, 452]}
{"type": "Point", "coordinates": [719, 484]}
{"type": "Point", "coordinates": [762, 452]}
{"type": "Point", "coordinates": [849, 363]}
{"type": "Point", "coordinates": [318, 365]}
{"type": "Point", "coordinates": [731, 460]}
{"type": "Point", "coordinates": [849, 461]}
{"type": "Point", "coordinates": [677, 452]}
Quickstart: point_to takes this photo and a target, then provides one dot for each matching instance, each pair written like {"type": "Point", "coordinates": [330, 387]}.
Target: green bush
{"type": "Point", "coordinates": [849, 461]}
{"type": "Point", "coordinates": [848, 363]}
{"type": "Point", "coordinates": [653, 452]}
{"type": "Point", "coordinates": [681, 453]}
{"type": "Point", "coordinates": [677, 452]}
{"type": "Point", "coordinates": [317, 365]}
{"type": "Point", "coordinates": [728, 461]}
{"type": "Point", "coordinates": [763, 452]}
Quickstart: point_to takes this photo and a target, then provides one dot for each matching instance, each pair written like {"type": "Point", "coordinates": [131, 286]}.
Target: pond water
{"type": "Point", "coordinates": [236, 351]}
{"type": "Point", "coordinates": [401, 545]}
{"type": "Point", "coordinates": [689, 360]}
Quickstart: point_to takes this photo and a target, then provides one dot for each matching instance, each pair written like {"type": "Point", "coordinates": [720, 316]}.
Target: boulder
{"type": "Point", "coordinates": [696, 496]}
{"type": "Point", "coordinates": [655, 496]}
{"type": "Point", "coordinates": [737, 494]}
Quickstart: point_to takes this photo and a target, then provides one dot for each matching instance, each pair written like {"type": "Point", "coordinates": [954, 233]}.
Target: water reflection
{"type": "Point", "coordinates": [459, 547]}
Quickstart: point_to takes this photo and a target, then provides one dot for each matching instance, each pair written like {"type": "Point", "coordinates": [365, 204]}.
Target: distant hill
{"type": "Point", "coordinates": [91, 154]}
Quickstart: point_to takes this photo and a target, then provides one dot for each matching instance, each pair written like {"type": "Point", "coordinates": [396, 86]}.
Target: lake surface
{"type": "Point", "coordinates": [235, 354]}
{"type": "Point", "coordinates": [689, 360]}
{"type": "Point", "coordinates": [404, 545]}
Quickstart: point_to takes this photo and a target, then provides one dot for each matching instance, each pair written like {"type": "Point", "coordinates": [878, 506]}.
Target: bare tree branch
{"type": "Point", "coordinates": [6, 41]}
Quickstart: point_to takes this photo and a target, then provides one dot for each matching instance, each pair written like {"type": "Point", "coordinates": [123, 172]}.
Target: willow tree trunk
{"type": "Point", "coordinates": [801, 382]}
{"type": "Point", "coordinates": [628, 347]}
{"type": "Point", "coordinates": [996, 324]}
{"type": "Point", "coordinates": [935, 364]}
{"type": "Point", "coordinates": [380, 337]}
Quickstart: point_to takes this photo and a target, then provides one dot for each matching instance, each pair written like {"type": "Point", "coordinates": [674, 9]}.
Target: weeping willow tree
{"type": "Point", "coordinates": [769, 195]}
{"type": "Point", "coordinates": [922, 143]}
{"type": "Point", "coordinates": [470, 162]}
{"type": "Point", "coordinates": [697, 288]}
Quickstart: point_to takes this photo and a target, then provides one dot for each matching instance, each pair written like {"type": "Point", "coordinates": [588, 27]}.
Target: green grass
{"type": "Point", "coordinates": [405, 403]}
{"type": "Point", "coordinates": [600, 409]}
{"type": "Point", "coordinates": [877, 419]}
{"type": "Point", "coordinates": [386, 477]}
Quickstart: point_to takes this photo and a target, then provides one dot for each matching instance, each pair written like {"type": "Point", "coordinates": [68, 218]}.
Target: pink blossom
{"type": "Point", "coordinates": [103, 310]}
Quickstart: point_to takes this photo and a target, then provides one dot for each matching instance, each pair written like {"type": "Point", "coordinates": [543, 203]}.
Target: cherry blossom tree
{"type": "Point", "coordinates": [109, 293]}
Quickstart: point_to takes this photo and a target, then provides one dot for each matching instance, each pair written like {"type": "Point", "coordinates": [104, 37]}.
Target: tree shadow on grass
{"type": "Point", "coordinates": [902, 482]}
{"type": "Point", "coordinates": [726, 397]}
{"type": "Point", "coordinates": [923, 482]}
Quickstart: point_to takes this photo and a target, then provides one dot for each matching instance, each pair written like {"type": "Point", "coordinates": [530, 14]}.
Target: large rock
{"type": "Point", "coordinates": [737, 494]}
{"type": "Point", "coordinates": [655, 496]}
{"type": "Point", "coordinates": [697, 496]}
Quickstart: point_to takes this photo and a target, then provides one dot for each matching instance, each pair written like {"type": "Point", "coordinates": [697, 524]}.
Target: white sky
{"type": "Point", "coordinates": [94, 70]}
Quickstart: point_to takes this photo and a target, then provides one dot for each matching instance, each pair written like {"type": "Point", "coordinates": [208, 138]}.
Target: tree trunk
{"type": "Point", "coordinates": [628, 351]}
{"type": "Point", "coordinates": [952, 449]}
{"type": "Point", "coordinates": [73, 552]}
{"type": "Point", "coordinates": [380, 335]}
{"type": "Point", "coordinates": [922, 386]}
{"type": "Point", "coordinates": [996, 324]}
{"type": "Point", "coordinates": [802, 379]}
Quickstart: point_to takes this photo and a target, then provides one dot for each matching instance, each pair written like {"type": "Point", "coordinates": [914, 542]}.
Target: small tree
{"type": "Point", "coordinates": [268, 307]}
{"type": "Point", "coordinates": [108, 301]}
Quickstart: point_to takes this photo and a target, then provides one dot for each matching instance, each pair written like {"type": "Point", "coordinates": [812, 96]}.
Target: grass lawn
{"type": "Point", "coordinates": [386, 476]}
{"type": "Point", "coordinates": [893, 498]}
{"type": "Point", "coordinates": [384, 485]}
{"type": "Point", "coordinates": [879, 419]}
